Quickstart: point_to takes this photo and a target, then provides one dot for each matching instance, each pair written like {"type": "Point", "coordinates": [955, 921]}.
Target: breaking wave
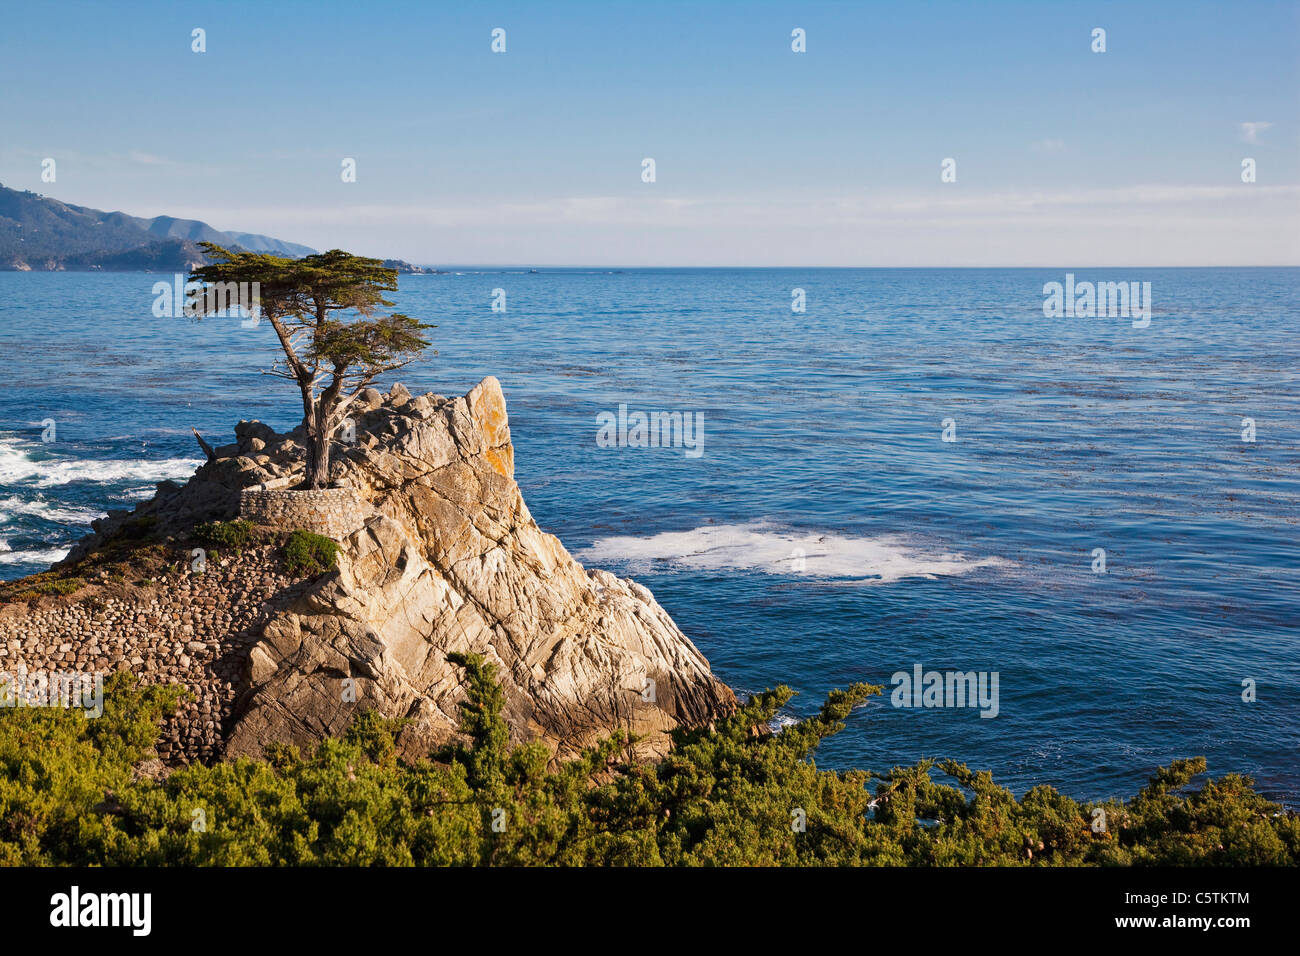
{"type": "Point", "coordinates": [13, 506]}
{"type": "Point", "coordinates": [767, 548]}
{"type": "Point", "coordinates": [46, 556]}
{"type": "Point", "coordinates": [17, 465]}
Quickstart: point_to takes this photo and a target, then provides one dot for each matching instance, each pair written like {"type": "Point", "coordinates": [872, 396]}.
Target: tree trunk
{"type": "Point", "coordinates": [322, 417]}
{"type": "Point", "coordinates": [318, 450]}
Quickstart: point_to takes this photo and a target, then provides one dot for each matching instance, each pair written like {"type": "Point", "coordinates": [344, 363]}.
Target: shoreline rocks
{"type": "Point", "coordinates": [440, 555]}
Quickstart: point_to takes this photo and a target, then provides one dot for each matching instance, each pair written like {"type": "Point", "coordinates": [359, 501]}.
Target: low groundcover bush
{"type": "Point", "coordinates": [71, 793]}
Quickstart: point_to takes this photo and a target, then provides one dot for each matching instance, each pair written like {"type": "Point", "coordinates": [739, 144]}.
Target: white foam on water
{"type": "Point", "coordinates": [136, 494]}
{"type": "Point", "coordinates": [45, 557]}
{"type": "Point", "coordinates": [17, 465]}
{"type": "Point", "coordinates": [14, 506]}
{"type": "Point", "coordinates": [773, 550]}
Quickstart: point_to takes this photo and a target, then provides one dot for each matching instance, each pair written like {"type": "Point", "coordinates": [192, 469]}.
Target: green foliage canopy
{"type": "Point", "coordinates": [727, 796]}
{"type": "Point", "coordinates": [326, 310]}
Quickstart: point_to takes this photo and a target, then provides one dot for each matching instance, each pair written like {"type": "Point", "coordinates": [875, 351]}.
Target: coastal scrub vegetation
{"type": "Point", "coordinates": [132, 554]}
{"type": "Point", "coordinates": [71, 793]}
{"type": "Point", "coordinates": [44, 584]}
{"type": "Point", "coordinates": [234, 535]}
{"type": "Point", "coordinates": [307, 553]}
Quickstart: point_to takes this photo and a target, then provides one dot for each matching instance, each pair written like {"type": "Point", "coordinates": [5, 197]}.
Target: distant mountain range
{"type": "Point", "coordinates": [40, 234]}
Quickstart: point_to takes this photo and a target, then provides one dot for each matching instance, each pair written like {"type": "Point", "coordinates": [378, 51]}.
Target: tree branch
{"type": "Point", "coordinates": [207, 449]}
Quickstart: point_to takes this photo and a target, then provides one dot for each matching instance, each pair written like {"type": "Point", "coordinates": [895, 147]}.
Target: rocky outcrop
{"type": "Point", "coordinates": [448, 560]}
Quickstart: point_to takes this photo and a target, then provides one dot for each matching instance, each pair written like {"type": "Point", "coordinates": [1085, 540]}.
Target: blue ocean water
{"type": "Point", "coordinates": [822, 438]}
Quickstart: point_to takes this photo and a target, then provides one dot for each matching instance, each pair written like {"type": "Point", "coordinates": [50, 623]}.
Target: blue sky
{"type": "Point", "coordinates": [763, 156]}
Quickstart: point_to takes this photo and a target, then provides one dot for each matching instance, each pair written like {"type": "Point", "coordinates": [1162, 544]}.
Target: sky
{"type": "Point", "coordinates": [763, 156]}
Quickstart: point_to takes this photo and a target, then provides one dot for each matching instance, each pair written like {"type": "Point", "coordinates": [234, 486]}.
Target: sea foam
{"type": "Point", "coordinates": [45, 556]}
{"type": "Point", "coordinates": [17, 465]}
{"type": "Point", "coordinates": [13, 506]}
{"type": "Point", "coordinates": [768, 548]}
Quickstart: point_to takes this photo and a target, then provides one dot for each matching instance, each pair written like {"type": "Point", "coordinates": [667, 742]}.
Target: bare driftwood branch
{"type": "Point", "coordinates": [207, 449]}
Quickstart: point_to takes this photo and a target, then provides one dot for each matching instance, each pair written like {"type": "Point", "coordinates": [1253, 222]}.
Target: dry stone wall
{"type": "Point", "coordinates": [186, 628]}
{"type": "Point", "coordinates": [333, 512]}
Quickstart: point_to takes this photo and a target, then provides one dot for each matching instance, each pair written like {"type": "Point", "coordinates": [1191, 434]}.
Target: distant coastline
{"type": "Point", "coordinates": [41, 234]}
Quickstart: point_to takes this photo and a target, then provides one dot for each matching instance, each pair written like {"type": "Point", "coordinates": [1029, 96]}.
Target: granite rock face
{"type": "Point", "coordinates": [448, 559]}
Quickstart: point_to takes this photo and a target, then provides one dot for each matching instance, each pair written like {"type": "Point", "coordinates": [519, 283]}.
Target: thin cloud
{"type": "Point", "coordinates": [991, 205]}
{"type": "Point", "coordinates": [149, 159]}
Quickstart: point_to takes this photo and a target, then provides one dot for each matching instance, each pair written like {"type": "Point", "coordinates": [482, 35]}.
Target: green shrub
{"type": "Point", "coordinates": [306, 553]}
{"type": "Point", "coordinates": [42, 585]}
{"type": "Point", "coordinates": [721, 797]}
{"type": "Point", "coordinates": [62, 586]}
{"type": "Point", "coordinates": [226, 534]}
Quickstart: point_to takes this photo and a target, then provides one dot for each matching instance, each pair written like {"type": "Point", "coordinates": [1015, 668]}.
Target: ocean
{"type": "Point", "coordinates": [814, 528]}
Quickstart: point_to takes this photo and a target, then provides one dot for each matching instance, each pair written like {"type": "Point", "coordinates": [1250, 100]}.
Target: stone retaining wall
{"type": "Point", "coordinates": [333, 512]}
{"type": "Point", "coordinates": [185, 628]}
